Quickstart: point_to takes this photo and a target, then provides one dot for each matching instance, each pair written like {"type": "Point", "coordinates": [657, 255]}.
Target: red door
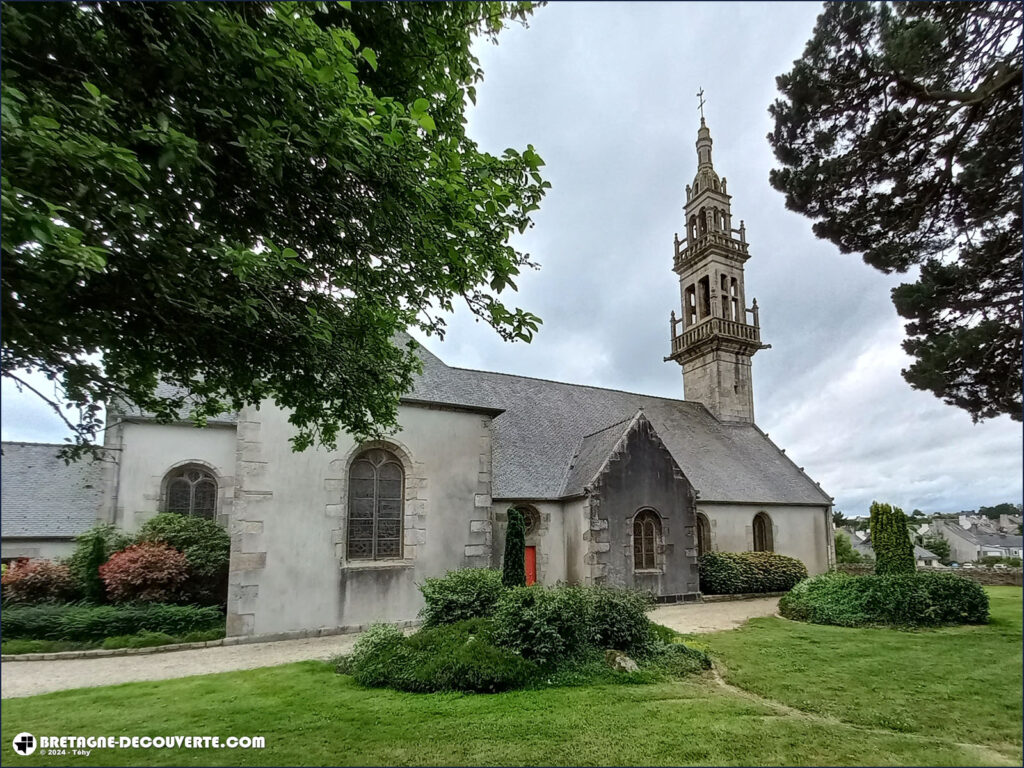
{"type": "Point", "coordinates": [531, 565]}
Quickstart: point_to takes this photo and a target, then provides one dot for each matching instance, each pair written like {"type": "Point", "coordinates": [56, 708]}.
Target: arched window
{"type": "Point", "coordinates": [191, 490]}
{"type": "Point", "coordinates": [763, 533]}
{"type": "Point", "coordinates": [703, 534]}
{"type": "Point", "coordinates": [646, 535]}
{"type": "Point", "coordinates": [376, 489]}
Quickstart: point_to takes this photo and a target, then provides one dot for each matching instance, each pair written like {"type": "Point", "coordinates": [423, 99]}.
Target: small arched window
{"type": "Point", "coordinates": [376, 490]}
{"type": "Point", "coordinates": [763, 533]}
{"type": "Point", "coordinates": [703, 534]}
{"type": "Point", "coordinates": [646, 536]}
{"type": "Point", "coordinates": [191, 490]}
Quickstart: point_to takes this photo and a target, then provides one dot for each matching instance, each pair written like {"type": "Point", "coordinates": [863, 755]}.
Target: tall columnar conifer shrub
{"type": "Point", "coordinates": [513, 572]}
{"type": "Point", "coordinates": [894, 552]}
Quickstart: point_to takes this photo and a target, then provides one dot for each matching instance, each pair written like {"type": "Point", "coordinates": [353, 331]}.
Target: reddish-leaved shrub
{"type": "Point", "coordinates": [150, 572]}
{"type": "Point", "coordinates": [37, 581]}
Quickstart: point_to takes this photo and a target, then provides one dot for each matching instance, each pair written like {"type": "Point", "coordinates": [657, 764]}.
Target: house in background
{"type": "Point", "coordinates": [45, 503]}
{"type": "Point", "coordinates": [971, 544]}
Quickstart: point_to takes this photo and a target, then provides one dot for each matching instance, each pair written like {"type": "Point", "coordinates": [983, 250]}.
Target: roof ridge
{"type": "Point", "coordinates": [604, 429]}
{"type": "Point", "coordinates": [33, 442]}
{"type": "Point", "coordinates": [571, 384]}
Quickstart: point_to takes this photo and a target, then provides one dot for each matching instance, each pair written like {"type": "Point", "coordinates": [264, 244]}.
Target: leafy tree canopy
{"type": "Point", "coordinates": [1006, 508]}
{"type": "Point", "coordinates": [899, 132]}
{"type": "Point", "coordinates": [249, 201]}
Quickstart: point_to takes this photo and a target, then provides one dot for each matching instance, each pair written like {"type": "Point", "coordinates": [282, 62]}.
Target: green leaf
{"type": "Point", "coordinates": [370, 57]}
{"type": "Point", "coordinates": [40, 121]}
{"type": "Point", "coordinates": [420, 106]}
{"type": "Point", "coordinates": [92, 89]}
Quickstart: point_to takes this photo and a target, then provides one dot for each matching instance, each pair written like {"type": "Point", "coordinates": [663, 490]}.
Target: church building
{"type": "Point", "coordinates": [617, 488]}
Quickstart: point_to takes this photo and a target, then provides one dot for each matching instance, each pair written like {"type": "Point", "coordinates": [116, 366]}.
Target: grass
{"type": "Point", "coordinates": [959, 683]}
{"type": "Point", "coordinates": [890, 698]}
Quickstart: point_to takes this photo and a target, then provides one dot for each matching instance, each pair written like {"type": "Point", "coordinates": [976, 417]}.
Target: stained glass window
{"type": "Point", "coordinates": [375, 506]}
{"type": "Point", "coordinates": [192, 490]}
{"type": "Point", "coordinates": [646, 534]}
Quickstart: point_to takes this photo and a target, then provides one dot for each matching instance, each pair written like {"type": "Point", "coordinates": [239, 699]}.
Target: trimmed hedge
{"type": "Point", "coordinates": [81, 621]}
{"type": "Point", "coordinates": [901, 600]}
{"type": "Point", "coordinates": [459, 595]}
{"type": "Point", "coordinates": [731, 573]}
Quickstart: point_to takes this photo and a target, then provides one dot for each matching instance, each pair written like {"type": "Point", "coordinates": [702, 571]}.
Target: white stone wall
{"type": "Point", "coordinates": [148, 451]}
{"type": "Point", "coordinates": [803, 532]}
{"type": "Point", "coordinates": [47, 549]}
{"type": "Point", "coordinates": [288, 564]}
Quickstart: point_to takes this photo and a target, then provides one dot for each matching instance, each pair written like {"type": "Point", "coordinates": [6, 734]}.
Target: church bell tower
{"type": "Point", "coordinates": [717, 335]}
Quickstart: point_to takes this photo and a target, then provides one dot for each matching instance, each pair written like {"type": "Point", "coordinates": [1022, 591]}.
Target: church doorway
{"type": "Point", "coordinates": [531, 566]}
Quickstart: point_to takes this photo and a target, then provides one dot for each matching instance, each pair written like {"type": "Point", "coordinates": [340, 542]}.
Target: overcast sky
{"type": "Point", "coordinates": [605, 93]}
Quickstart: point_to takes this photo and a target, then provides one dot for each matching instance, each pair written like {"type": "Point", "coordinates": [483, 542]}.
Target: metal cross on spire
{"type": "Point", "coordinates": [700, 105]}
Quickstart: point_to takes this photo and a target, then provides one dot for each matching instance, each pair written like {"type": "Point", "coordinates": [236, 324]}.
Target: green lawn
{"type": "Point", "coordinates": [875, 697]}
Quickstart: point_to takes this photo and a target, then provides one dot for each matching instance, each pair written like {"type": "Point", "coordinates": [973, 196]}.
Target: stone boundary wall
{"type": "Point", "coordinates": [989, 577]}
{"type": "Point", "coordinates": [300, 634]}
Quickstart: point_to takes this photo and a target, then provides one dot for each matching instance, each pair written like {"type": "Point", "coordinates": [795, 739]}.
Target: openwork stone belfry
{"type": "Point", "coordinates": [717, 334]}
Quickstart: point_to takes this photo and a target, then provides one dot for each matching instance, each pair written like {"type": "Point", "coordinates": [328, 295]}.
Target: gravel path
{"type": "Point", "coordinates": [28, 678]}
{"type": "Point", "coordinates": [712, 617]}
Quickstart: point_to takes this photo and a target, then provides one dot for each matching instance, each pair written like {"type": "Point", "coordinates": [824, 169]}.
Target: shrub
{"type": "Point", "coordinates": [42, 646]}
{"type": "Point", "coordinates": [92, 549]}
{"type": "Point", "coordinates": [729, 573]}
{"type": "Point", "coordinates": [37, 581]}
{"type": "Point", "coordinates": [143, 639]}
{"type": "Point", "coordinates": [544, 625]}
{"type": "Point", "coordinates": [618, 619]}
{"type": "Point", "coordinates": [845, 553]}
{"type": "Point", "coordinates": [513, 570]}
{"type": "Point", "coordinates": [207, 549]}
{"type": "Point", "coordinates": [894, 552]}
{"type": "Point", "coordinates": [679, 659]}
{"type": "Point", "coordinates": [81, 621]}
{"type": "Point", "coordinates": [147, 572]}
{"type": "Point", "coordinates": [450, 657]}
{"type": "Point", "coordinates": [460, 595]}
{"type": "Point", "coordinates": [903, 600]}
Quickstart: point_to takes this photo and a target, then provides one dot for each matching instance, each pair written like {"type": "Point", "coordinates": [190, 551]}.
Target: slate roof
{"type": "Point", "coordinates": [986, 539]}
{"type": "Point", "coordinates": [548, 435]}
{"type": "Point", "coordinates": [544, 424]}
{"type": "Point", "coordinates": [591, 454]}
{"type": "Point", "coordinates": [42, 496]}
{"type": "Point", "coordinates": [163, 389]}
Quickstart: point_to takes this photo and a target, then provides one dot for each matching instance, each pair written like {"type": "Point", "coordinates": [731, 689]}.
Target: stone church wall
{"type": "Point", "coordinates": [288, 564]}
{"type": "Point", "coordinates": [146, 452]}
{"type": "Point", "coordinates": [642, 475]}
{"type": "Point", "coordinates": [803, 532]}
